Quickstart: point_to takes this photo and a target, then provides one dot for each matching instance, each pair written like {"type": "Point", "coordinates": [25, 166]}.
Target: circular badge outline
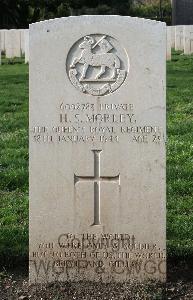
{"type": "Point", "coordinates": [127, 70]}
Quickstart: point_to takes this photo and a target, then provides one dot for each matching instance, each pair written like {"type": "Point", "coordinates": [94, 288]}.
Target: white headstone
{"type": "Point", "coordinates": [27, 46]}
{"type": "Point", "coordinates": [97, 149]}
{"type": "Point", "coordinates": [12, 43]}
{"type": "Point", "coordinates": [2, 35]}
{"type": "Point", "coordinates": [179, 37]}
{"type": "Point", "coordinates": [22, 40]}
{"type": "Point", "coordinates": [169, 46]}
{"type": "Point", "coordinates": [172, 36]}
{"type": "Point", "coordinates": [2, 39]}
{"type": "Point", "coordinates": [188, 39]}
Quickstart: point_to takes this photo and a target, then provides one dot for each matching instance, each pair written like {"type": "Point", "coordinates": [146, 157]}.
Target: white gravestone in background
{"type": "Point", "coordinates": [172, 36]}
{"type": "Point", "coordinates": [179, 37]}
{"type": "Point", "coordinates": [2, 35]}
{"type": "Point", "coordinates": [27, 46]}
{"type": "Point", "coordinates": [169, 48]}
{"type": "Point", "coordinates": [1, 40]}
{"type": "Point", "coordinates": [188, 39]}
{"type": "Point", "coordinates": [97, 149]}
{"type": "Point", "coordinates": [22, 40]}
{"type": "Point", "coordinates": [13, 43]}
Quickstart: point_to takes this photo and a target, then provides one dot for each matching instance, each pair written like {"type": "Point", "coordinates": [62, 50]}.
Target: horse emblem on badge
{"type": "Point", "coordinates": [97, 65]}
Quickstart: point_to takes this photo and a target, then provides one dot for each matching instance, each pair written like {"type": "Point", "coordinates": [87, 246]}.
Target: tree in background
{"type": "Point", "coordinates": [9, 14]}
{"type": "Point", "coordinates": [20, 13]}
{"type": "Point", "coordinates": [159, 10]}
{"type": "Point", "coordinates": [106, 7]}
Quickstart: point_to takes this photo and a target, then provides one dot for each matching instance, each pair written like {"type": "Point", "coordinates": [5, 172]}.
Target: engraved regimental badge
{"type": "Point", "coordinates": [97, 64]}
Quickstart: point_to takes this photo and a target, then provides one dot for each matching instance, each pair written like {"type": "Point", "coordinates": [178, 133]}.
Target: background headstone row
{"type": "Point", "coordinates": [180, 37]}
{"type": "Point", "coordinates": [15, 43]}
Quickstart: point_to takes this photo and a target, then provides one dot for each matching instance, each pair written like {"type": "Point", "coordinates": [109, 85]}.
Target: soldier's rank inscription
{"type": "Point", "coordinates": [97, 65]}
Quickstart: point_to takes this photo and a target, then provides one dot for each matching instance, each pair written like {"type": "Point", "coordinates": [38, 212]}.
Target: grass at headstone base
{"type": "Point", "coordinates": [14, 159]}
{"type": "Point", "coordinates": [180, 156]}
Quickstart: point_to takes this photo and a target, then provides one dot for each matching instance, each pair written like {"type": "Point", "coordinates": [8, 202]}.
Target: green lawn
{"type": "Point", "coordinates": [180, 155]}
{"type": "Point", "coordinates": [14, 159]}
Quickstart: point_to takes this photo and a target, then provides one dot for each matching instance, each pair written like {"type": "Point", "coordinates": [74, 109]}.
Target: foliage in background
{"type": "Point", "coordinates": [20, 13]}
{"type": "Point", "coordinates": [155, 10]}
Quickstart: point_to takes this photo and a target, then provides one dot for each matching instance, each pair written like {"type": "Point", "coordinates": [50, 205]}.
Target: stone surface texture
{"type": "Point", "coordinates": [22, 40]}
{"type": "Point", "coordinates": [26, 36]}
{"type": "Point", "coordinates": [2, 34]}
{"type": "Point", "coordinates": [13, 43]}
{"type": "Point", "coordinates": [172, 36]}
{"type": "Point", "coordinates": [97, 149]}
{"type": "Point", "coordinates": [169, 43]}
{"type": "Point", "coordinates": [188, 39]}
{"type": "Point", "coordinates": [179, 38]}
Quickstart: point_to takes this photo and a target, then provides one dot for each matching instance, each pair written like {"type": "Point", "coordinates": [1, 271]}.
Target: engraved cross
{"type": "Point", "coordinates": [97, 179]}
